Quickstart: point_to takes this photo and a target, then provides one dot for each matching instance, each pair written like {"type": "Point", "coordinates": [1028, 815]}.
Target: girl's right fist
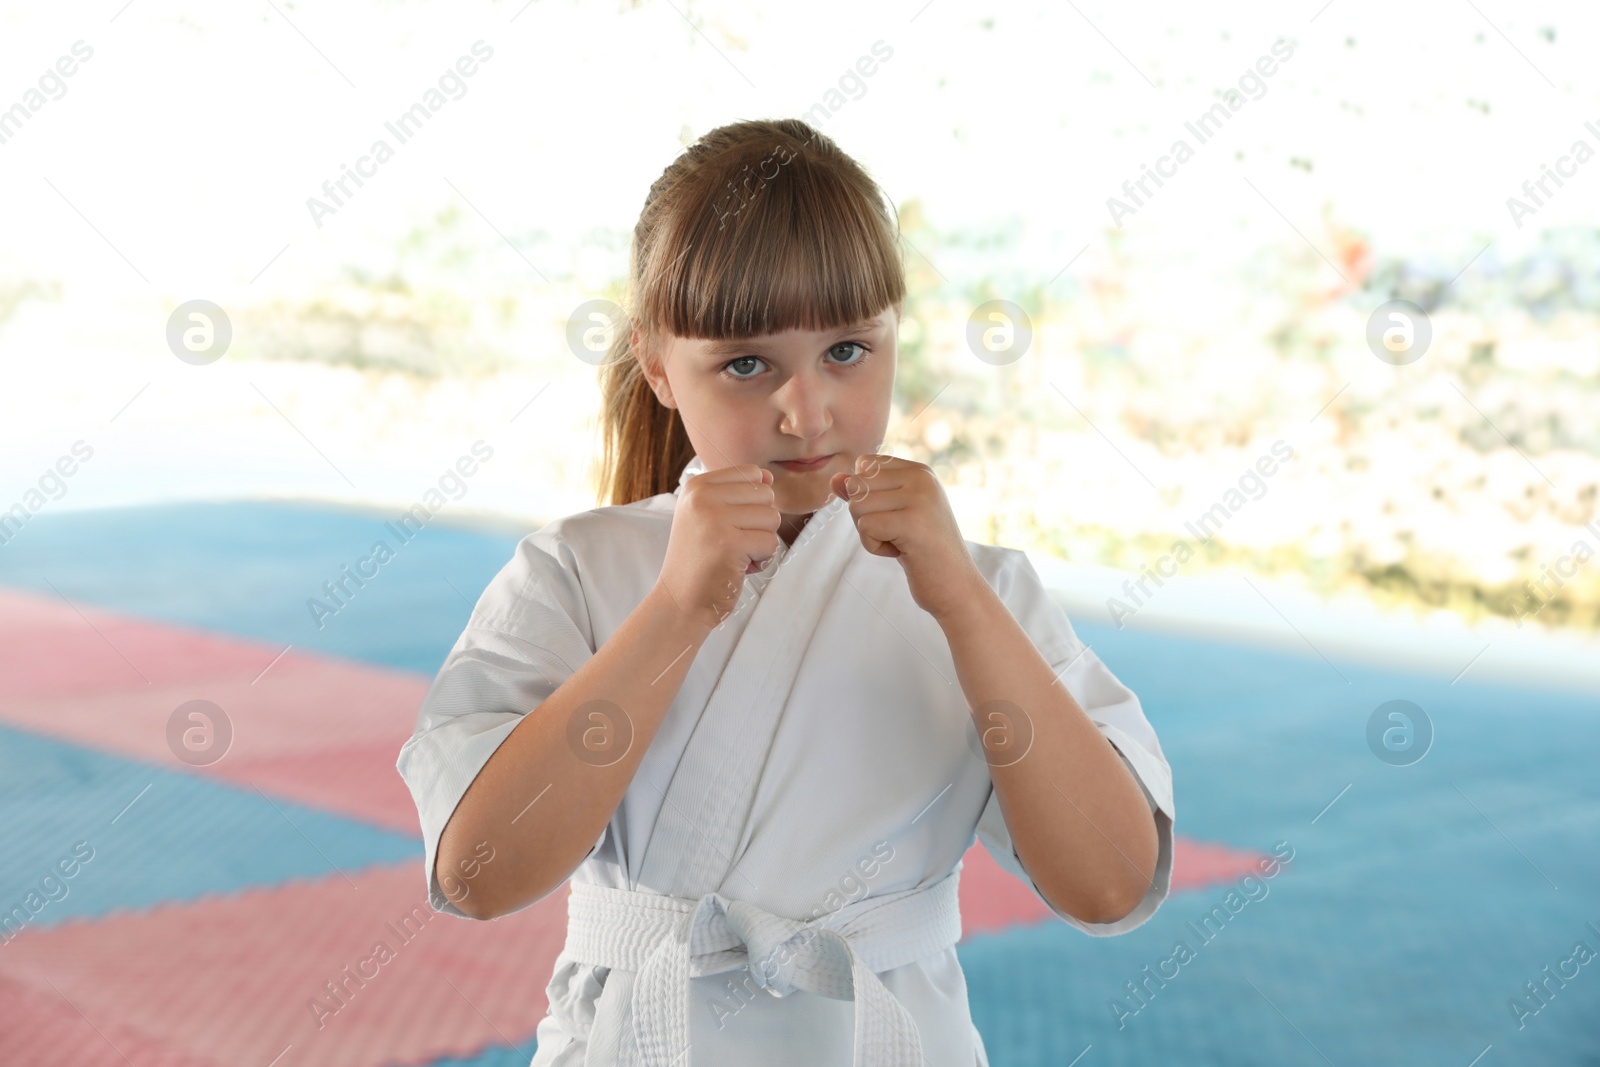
{"type": "Point", "coordinates": [724, 526]}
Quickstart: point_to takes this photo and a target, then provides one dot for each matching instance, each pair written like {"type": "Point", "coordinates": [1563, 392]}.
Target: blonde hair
{"type": "Point", "coordinates": [758, 227]}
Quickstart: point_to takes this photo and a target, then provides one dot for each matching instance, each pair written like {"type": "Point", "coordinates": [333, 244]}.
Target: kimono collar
{"type": "Point", "coordinates": [695, 467]}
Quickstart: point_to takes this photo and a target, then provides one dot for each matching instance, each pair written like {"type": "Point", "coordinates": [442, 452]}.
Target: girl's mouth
{"type": "Point", "coordinates": [804, 464]}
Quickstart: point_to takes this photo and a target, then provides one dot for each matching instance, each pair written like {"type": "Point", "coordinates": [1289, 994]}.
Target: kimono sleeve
{"type": "Point", "coordinates": [529, 633]}
{"type": "Point", "coordinates": [1114, 709]}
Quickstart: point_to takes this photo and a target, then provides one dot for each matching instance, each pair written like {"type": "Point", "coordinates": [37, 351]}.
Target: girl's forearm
{"type": "Point", "coordinates": [1077, 816]}
{"type": "Point", "coordinates": [541, 804]}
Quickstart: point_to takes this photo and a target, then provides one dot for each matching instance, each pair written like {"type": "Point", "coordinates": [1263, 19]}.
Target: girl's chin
{"type": "Point", "coordinates": [804, 500]}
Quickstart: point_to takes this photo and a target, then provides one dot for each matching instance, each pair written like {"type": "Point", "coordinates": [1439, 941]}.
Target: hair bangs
{"type": "Point", "coordinates": [799, 250]}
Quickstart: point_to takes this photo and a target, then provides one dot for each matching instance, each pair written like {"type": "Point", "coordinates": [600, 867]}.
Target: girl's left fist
{"type": "Point", "coordinates": [901, 511]}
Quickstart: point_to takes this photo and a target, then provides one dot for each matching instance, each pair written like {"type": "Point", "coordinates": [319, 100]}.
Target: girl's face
{"type": "Point", "coordinates": [798, 394]}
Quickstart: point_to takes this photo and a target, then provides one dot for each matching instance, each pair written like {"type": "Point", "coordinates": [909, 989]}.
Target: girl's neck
{"type": "Point", "coordinates": [791, 527]}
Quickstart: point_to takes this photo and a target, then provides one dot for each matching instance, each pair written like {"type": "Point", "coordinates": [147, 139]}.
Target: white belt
{"type": "Point", "coordinates": [667, 940]}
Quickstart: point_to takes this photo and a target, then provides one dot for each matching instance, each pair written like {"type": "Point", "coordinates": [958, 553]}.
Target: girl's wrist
{"type": "Point", "coordinates": [694, 625]}
{"type": "Point", "coordinates": [967, 601]}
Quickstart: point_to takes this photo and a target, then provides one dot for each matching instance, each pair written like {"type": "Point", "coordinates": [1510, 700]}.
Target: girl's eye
{"type": "Point", "coordinates": [735, 362]}
{"type": "Point", "coordinates": [851, 344]}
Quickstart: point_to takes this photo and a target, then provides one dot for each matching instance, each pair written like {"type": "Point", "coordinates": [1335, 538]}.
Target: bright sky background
{"type": "Point", "coordinates": [178, 163]}
{"type": "Point", "coordinates": [194, 135]}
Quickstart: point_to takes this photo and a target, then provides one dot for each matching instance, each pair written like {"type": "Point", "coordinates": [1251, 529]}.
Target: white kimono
{"type": "Point", "coordinates": [797, 825]}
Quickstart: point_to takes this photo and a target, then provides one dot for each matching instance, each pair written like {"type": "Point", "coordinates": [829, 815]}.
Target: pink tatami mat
{"type": "Point", "coordinates": [313, 729]}
{"type": "Point", "coordinates": [233, 979]}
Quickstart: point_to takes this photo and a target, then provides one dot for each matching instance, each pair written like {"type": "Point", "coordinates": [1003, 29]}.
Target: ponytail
{"type": "Point", "coordinates": [646, 447]}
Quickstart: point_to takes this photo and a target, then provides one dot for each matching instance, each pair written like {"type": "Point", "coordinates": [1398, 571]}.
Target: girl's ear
{"type": "Point", "coordinates": [652, 370]}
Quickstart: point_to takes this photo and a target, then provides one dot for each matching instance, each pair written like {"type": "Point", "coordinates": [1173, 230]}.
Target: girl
{"type": "Point", "coordinates": [759, 707]}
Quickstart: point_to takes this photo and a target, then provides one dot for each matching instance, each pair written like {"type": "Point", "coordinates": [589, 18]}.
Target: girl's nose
{"type": "Point", "coordinates": [803, 402]}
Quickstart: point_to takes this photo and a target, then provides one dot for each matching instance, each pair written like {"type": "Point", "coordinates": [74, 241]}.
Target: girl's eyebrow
{"type": "Point", "coordinates": [734, 345]}
{"type": "Point", "coordinates": [729, 346]}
